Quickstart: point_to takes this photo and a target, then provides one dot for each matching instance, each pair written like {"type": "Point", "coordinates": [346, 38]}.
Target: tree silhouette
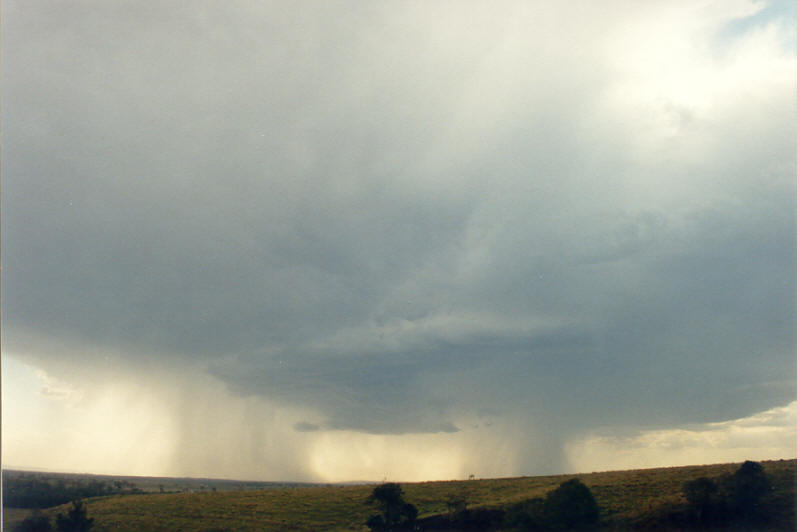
{"type": "Point", "coordinates": [396, 513]}
{"type": "Point", "coordinates": [571, 505]}
{"type": "Point", "coordinates": [748, 486]}
{"type": "Point", "coordinates": [75, 520]}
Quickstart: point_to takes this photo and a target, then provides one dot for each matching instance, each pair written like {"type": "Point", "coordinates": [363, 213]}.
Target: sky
{"type": "Point", "coordinates": [335, 241]}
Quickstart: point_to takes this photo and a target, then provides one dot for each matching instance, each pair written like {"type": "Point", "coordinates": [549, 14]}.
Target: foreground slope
{"type": "Point", "coordinates": [627, 499]}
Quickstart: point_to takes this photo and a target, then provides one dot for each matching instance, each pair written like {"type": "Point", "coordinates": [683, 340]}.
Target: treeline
{"type": "Point", "coordinates": [32, 491]}
{"type": "Point", "coordinates": [74, 520]}
{"type": "Point", "coordinates": [743, 499]}
{"type": "Point", "coordinates": [747, 499]}
{"type": "Point", "coordinates": [570, 506]}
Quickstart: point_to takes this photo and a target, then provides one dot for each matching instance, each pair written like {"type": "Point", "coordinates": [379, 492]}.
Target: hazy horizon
{"type": "Point", "coordinates": [404, 240]}
{"type": "Point", "coordinates": [336, 482]}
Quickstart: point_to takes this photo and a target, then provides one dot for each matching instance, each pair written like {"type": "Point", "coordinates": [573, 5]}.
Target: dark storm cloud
{"type": "Point", "coordinates": [395, 227]}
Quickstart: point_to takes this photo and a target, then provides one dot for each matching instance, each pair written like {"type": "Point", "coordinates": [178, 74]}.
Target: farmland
{"type": "Point", "coordinates": [627, 499]}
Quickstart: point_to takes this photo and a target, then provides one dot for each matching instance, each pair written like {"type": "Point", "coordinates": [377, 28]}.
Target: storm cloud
{"type": "Point", "coordinates": [409, 218]}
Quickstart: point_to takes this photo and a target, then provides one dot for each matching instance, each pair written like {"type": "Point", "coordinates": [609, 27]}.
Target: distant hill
{"type": "Point", "coordinates": [636, 499]}
{"type": "Point", "coordinates": [137, 484]}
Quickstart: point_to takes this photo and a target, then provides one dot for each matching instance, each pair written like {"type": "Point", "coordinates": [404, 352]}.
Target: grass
{"type": "Point", "coordinates": [13, 516]}
{"type": "Point", "coordinates": [627, 499]}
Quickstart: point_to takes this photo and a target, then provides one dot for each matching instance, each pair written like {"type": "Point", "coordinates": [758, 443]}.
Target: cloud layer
{"type": "Point", "coordinates": [764, 435]}
{"type": "Point", "coordinates": [409, 219]}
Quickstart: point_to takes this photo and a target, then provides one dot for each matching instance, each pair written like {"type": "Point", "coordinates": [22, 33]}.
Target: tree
{"type": "Point", "coordinates": [747, 487]}
{"type": "Point", "coordinates": [75, 520]}
{"type": "Point", "coordinates": [571, 505]}
{"type": "Point", "coordinates": [396, 513]}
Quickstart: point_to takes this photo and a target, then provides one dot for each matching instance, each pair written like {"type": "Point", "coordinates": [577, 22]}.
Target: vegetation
{"type": "Point", "coordinates": [639, 499]}
{"type": "Point", "coordinates": [36, 491]}
{"type": "Point", "coordinates": [75, 520]}
{"type": "Point", "coordinates": [749, 487]}
{"type": "Point", "coordinates": [570, 506]}
{"type": "Point", "coordinates": [745, 498]}
{"type": "Point", "coordinates": [396, 513]}
{"type": "Point", "coordinates": [36, 522]}
{"type": "Point", "coordinates": [25, 489]}
{"type": "Point", "coordinates": [701, 494]}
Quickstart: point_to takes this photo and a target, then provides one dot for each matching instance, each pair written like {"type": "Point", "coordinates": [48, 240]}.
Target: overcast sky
{"type": "Point", "coordinates": [404, 240]}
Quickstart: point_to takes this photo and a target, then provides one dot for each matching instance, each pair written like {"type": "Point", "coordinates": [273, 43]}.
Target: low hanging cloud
{"type": "Point", "coordinates": [533, 218]}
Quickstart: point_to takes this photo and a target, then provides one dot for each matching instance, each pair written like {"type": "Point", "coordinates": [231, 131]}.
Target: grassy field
{"type": "Point", "coordinates": [627, 499]}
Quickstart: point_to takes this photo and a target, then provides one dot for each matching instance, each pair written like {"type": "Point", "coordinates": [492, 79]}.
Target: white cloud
{"type": "Point", "coordinates": [768, 435]}
{"type": "Point", "coordinates": [57, 389]}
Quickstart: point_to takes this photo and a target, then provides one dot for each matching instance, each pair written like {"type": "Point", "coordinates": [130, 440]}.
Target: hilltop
{"type": "Point", "coordinates": [640, 499]}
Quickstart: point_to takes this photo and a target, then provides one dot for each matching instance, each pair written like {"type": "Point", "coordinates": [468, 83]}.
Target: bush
{"type": "Point", "coordinates": [75, 520]}
{"type": "Point", "coordinates": [748, 487]}
{"type": "Point", "coordinates": [701, 494]}
{"type": "Point", "coordinates": [571, 505]}
{"type": "Point", "coordinates": [473, 519]}
{"type": "Point", "coordinates": [741, 496]}
{"type": "Point", "coordinates": [375, 522]}
{"type": "Point", "coordinates": [526, 515]}
{"type": "Point", "coordinates": [396, 514]}
{"type": "Point", "coordinates": [35, 523]}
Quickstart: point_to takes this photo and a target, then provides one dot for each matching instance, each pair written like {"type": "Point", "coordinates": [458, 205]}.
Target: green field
{"type": "Point", "coordinates": [627, 499]}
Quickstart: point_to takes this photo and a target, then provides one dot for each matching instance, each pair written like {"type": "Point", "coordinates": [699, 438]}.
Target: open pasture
{"type": "Point", "coordinates": [627, 499]}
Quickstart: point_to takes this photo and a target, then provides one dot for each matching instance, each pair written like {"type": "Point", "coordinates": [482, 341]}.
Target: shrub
{"type": "Point", "coordinates": [375, 522]}
{"type": "Point", "coordinates": [571, 505]}
{"type": "Point", "coordinates": [526, 515]}
{"type": "Point", "coordinates": [748, 486]}
{"type": "Point", "coordinates": [478, 519]}
{"type": "Point", "coordinates": [75, 520]}
{"type": "Point", "coordinates": [396, 512]}
{"type": "Point", "coordinates": [701, 494]}
{"type": "Point", "coordinates": [34, 523]}
{"type": "Point", "coordinates": [741, 496]}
